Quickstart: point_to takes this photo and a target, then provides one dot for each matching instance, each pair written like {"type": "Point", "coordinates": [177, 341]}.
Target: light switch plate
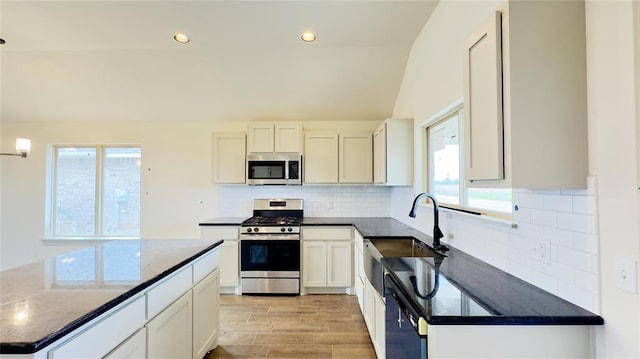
{"type": "Point", "coordinates": [625, 274]}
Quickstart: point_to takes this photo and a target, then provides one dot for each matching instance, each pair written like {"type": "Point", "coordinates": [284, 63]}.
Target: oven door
{"type": "Point", "coordinates": [270, 257]}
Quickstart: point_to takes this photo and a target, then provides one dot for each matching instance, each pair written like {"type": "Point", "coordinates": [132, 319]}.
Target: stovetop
{"type": "Point", "coordinates": [272, 221]}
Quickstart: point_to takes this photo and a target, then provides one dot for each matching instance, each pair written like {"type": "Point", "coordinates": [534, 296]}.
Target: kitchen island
{"type": "Point", "coordinates": [111, 296]}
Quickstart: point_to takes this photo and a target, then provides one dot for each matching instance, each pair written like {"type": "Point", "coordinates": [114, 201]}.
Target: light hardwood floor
{"type": "Point", "coordinates": [310, 326]}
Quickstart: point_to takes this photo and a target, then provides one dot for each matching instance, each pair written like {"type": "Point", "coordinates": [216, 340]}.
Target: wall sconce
{"type": "Point", "coordinates": [23, 148]}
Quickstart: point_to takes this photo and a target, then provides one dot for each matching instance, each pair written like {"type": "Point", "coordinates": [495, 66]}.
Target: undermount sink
{"type": "Point", "coordinates": [378, 248]}
{"type": "Point", "coordinates": [403, 247]}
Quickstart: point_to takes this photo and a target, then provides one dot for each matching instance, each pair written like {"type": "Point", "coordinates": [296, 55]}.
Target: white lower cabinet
{"type": "Point", "coordinates": [172, 319]}
{"type": "Point", "coordinates": [326, 264]}
{"type": "Point", "coordinates": [229, 254]}
{"type": "Point", "coordinates": [133, 348]}
{"type": "Point", "coordinates": [374, 317]}
{"type": "Point", "coordinates": [105, 335]}
{"type": "Point", "coordinates": [229, 264]}
{"type": "Point", "coordinates": [206, 324]}
{"type": "Point", "coordinates": [170, 333]}
{"type": "Point", "coordinates": [327, 257]}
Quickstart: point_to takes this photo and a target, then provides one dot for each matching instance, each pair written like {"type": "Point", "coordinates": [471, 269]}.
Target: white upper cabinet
{"type": "Point", "coordinates": [356, 158]}
{"type": "Point", "coordinates": [320, 157]}
{"type": "Point", "coordinates": [274, 137]}
{"type": "Point", "coordinates": [228, 158]}
{"type": "Point", "coordinates": [393, 152]}
{"type": "Point", "coordinates": [543, 94]}
{"type": "Point", "coordinates": [483, 115]}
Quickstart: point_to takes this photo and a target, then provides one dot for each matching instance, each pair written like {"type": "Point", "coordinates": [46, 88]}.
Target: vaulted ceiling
{"type": "Point", "coordinates": [117, 60]}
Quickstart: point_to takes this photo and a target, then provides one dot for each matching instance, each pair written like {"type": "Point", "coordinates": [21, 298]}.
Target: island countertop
{"type": "Point", "coordinates": [43, 301]}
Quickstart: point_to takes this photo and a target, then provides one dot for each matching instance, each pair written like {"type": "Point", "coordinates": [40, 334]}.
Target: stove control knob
{"type": "Point", "coordinates": [249, 230]}
{"type": "Point", "coordinates": [282, 229]}
{"type": "Point", "coordinates": [256, 229]}
{"type": "Point", "coordinates": [289, 229]}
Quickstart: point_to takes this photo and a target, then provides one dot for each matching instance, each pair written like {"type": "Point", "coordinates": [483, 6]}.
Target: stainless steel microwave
{"type": "Point", "coordinates": [274, 169]}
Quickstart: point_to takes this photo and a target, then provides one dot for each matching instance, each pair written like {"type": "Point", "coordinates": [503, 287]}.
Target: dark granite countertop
{"type": "Point", "coordinates": [462, 290]}
{"type": "Point", "coordinates": [43, 301]}
{"type": "Point", "coordinates": [470, 291]}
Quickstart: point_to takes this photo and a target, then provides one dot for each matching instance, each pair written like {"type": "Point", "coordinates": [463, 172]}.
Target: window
{"type": "Point", "coordinates": [95, 191]}
{"type": "Point", "coordinates": [445, 160]}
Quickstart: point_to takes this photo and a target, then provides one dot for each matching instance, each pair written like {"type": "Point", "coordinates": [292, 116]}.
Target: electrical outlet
{"type": "Point", "coordinates": [625, 274]}
{"type": "Point", "coordinates": [542, 250]}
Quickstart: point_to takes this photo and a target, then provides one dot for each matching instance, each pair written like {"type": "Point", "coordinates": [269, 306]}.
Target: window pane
{"type": "Point", "coordinates": [492, 199]}
{"type": "Point", "coordinates": [75, 189]}
{"type": "Point", "coordinates": [121, 192]}
{"type": "Point", "coordinates": [444, 153]}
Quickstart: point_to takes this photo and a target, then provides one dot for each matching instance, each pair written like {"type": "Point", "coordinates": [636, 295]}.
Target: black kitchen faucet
{"type": "Point", "coordinates": [437, 233]}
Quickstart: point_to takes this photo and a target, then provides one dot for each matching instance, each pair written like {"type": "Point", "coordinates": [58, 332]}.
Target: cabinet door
{"type": "Point", "coordinates": [339, 264]}
{"type": "Point", "coordinates": [169, 334]}
{"type": "Point", "coordinates": [370, 309]}
{"type": "Point", "coordinates": [379, 343]}
{"type": "Point", "coordinates": [288, 137]}
{"type": "Point", "coordinates": [380, 154]}
{"type": "Point", "coordinates": [206, 321]}
{"type": "Point", "coordinates": [260, 137]}
{"type": "Point", "coordinates": [228, 158]}
{"type": "Point", "coordinates": [321, 158]}
{"type": "Point", "coordinates": [314, 264]}
{"type": "Point", "coordinates": [229, 264]}
{"type": "Point", "coordinates": [133, 348]}
{"type": "Point", "coordinates": [483, 120]}
{"type": "Point", "coordinates": [356, 158]}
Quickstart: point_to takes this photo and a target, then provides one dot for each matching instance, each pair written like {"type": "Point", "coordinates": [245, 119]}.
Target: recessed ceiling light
{"type": "Point", "coordinates": [308, 36]}
{"type": "Point", "coordinates": [182, 38]}
{"type": "Point", "coordinates": [2, 41]}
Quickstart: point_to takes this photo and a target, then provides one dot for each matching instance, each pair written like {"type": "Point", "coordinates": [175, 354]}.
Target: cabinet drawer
{"type": "Point", "coordinates": [168, 291]}
{"type": "Point", "coordinates": [327, 233]}
{"type": "Point", "coordinates": [134, 348]}
{"type": "Point", "coordinates": [206, 264]}
{"type": "Point", "coordinates": [105, 335]}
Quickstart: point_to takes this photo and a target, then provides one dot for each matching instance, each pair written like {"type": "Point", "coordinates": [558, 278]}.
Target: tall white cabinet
{"type": "Point", "coordinates": [541, 56]}
{"type": "Point", "coordinates": [393, 152]}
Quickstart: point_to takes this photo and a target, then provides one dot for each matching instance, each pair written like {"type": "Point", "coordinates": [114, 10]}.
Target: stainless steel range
{"type": "Point", "coordinates": [270, 247]}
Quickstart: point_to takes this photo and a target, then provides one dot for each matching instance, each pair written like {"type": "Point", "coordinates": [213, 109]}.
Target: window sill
{"type": "Point", "coordinates": [482, 216]}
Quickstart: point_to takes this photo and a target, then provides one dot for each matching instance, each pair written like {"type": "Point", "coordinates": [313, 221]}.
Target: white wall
{"type": "Point", "coordinates": [588, 228]}
{"type": "Point", "coordinates": [177, 192]}
{"type": "Point", "coordinates": [612, 157]}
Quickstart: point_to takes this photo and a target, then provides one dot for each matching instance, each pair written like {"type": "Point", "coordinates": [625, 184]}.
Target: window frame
{"type": "Point", "coordinates": [51, 207]}
{"type": "Point", "coordinates": [456, 108]}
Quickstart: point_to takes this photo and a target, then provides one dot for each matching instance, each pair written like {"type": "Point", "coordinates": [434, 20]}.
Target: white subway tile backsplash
{"type": "Point", "coordinates": [576, 222]}
{"type": "Point", "coordinates": [584, 204]}
{"type": "Point", "coordinates": [558, 203]}
{"type": "Point", "coordinates": [528, 199]}
{"type": "Point", "coordinates": [559, 237]}
{"type": "Point", "coordinates": [585, 242]}
{"type": "Point", "coordinates": [577, 259]}
{"type": "Point", "coordinates": [544, 218]}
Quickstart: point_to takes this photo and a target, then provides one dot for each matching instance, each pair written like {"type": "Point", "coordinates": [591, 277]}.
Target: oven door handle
{"type": "Point", "coordinates": [269, 237]}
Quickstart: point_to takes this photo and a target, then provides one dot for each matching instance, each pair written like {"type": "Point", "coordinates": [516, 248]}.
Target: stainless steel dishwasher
{"type": "Point", "coordinates": [406, 330]}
